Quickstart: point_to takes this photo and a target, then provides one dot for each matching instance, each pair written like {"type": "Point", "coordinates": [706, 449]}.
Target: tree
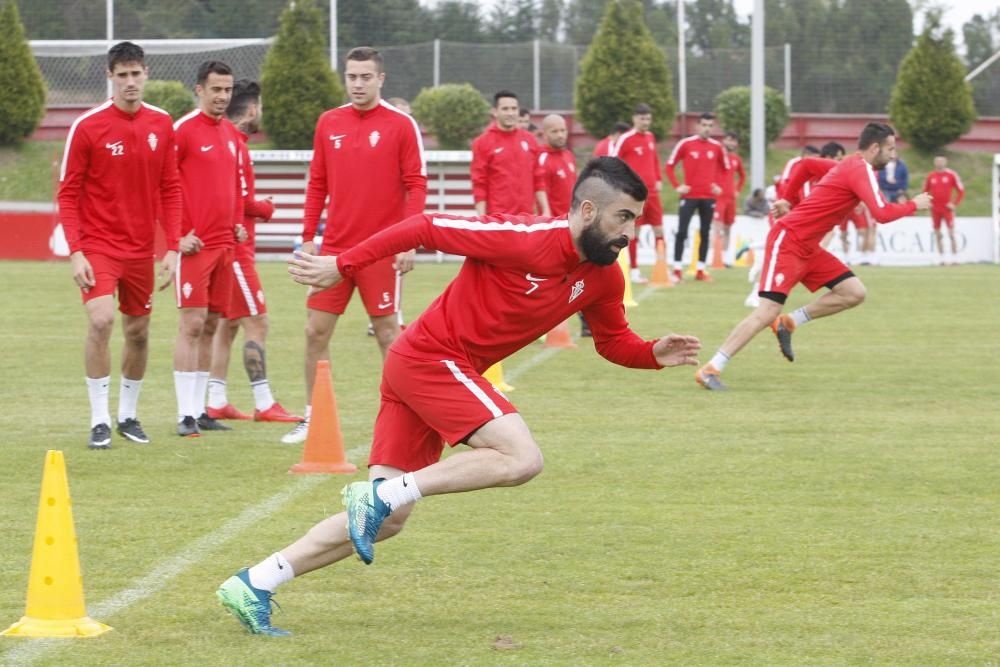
{"type": "Point", "coordinates": [623, 67]}
{"type": "Point", "coordinates": [732, 107]}
{"type": "Point", "coordinates": [454, 113]}
{"type": "Point", "coordinates": [713, 24]}
{"type": "Point", "coordinates": [22, 103]}
{"type": "Point", "coordinates": [172, 96]}
{"type": "Point", "coordinates": [297, 84]}
{"type": "Point", "coordinates": [457, 21]}
{"type": "Point", "coordinates": [513, 21]}
{"type": "Point", "coordinates": [982, 39]}
{"type": "Point", "coordinates": [931, 104]}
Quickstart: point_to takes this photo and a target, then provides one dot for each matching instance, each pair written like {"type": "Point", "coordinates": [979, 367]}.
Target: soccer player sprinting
{"type": "Point", "coordinates": [637, 148]}
{"type": "Point", "coordinates": [247, 305]}
{"type": "Point", "coordinates": [940, 184]}
{"type": "Point", "coordinates": [793, 253]}
{"type": "Point", "coordinates": [368, 162]}
{"type": "Point", "coordinates": [705, 164]}
{"type": "Point", "coordinates": [119, 168]}
{"type": "Point", "coordinates": [522, 276]}
{"type": "Point", "coordinates": [208, 161]}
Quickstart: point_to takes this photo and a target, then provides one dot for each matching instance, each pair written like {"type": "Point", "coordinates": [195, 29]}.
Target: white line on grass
{"type": "Point", "coordinates": [31, 650]}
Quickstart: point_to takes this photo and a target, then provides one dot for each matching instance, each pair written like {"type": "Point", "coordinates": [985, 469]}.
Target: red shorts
{"type": "Point", "coordinates": [247, 298]}
{"type": "Point", "coordinates": [947, 216]}
{"type": "Point", "coordinates": [652, 211]}
{"type": "Point", "coordinates": [725, 210]}
{"type": "Point", "coordinates": [427, 403]}
{"type": "Point", "coordinates": [787, 262]}
{"type": "Point", "coordinates": [379, 284]}
{"type": "Point", "coordinates": [205, 279]}
{"type": "Point", "coordinates": [132, 279]}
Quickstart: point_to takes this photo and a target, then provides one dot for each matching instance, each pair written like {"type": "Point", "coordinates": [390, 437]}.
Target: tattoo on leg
{"type": "Point", "coordinates": [253, 361]}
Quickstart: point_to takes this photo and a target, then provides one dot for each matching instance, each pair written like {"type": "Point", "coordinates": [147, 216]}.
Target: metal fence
{"type": "Point", "coordinates": [543, 74]}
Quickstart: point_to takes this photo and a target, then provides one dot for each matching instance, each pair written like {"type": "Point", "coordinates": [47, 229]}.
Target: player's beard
{"type": "Point", "coordinates": [599, 249]}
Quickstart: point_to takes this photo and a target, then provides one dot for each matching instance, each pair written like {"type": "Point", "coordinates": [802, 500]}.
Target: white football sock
{"type": "Point", "coordinates": [800, 316]}
{"type": "Point", "coordinates": [262, 396]}
{"type": "Point", "coordinates": [308, 414]}
{"type": "Point", "coordinates": [97, 390]}
{"type": "Point", "coordinates": [217, 398]}
{"type": "Point", "coordinates": [399, 491]}
{"type": "Point", "coordinates": [128, 398]}
{"type": "Point", "coordinates": [719, 360]}
{"type": "Point", "coordinates": [270, 573]}
{"type": "Point", "coordinates": [701, 266]}
{"type": "Point", "coordinates": [184, 383]}
{"type": "Point", "coordinates": [200, 392]}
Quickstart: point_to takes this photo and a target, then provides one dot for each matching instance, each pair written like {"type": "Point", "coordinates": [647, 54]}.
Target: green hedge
{"type": "Point", "coordinates": [454, 113]}
{"type": "Point", "coordinates": [22, 88]}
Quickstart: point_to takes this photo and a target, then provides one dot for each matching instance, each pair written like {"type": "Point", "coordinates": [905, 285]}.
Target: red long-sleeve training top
{"type": "Point", "coordinates": [638, 150]}
{"type": "Point", "coordinates": [504, 171]}
{"type": "Point", "coordinates": [704, 160]}
{"type": "Point", "coordinates": [253, 208]}
{"type": "Point", "coordinates": [559, 167]}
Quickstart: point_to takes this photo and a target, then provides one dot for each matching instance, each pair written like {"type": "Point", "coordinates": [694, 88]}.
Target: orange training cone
{"type": "Point", "coordinates": [55, 587]}
{"type": "Point", "coordinates": [560, 337]}
{"type": "Point", "coordinates": [627, 299]}
{"type": "Point", "coordinates": [324, 450]}
{"type": "Point", "coordinates": [717, 261]}
{"type": "Point", "coordinates": [661, 275]}
{"type": "Point", "coordinates": [494, 375]}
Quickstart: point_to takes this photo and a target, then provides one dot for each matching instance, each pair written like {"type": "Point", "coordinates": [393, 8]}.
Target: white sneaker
{"type": "Point", "coordinates": [297, 434]}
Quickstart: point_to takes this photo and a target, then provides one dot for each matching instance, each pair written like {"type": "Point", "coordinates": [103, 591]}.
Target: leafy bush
{"type": "Point", "coordinates": [732, 108]}
{"type": "Point", "coordinates": [454, 113]}
{"type": "Point", "coordinates": [623, 67]}
{"type": "Point", "coordinates": [931, 103]}
{"type": "Point", "coordinates": [22, 103]}
{"type": "Point", "coordinates": [297, 84]}
{"type": "Point", "coordinates": [171, 96]}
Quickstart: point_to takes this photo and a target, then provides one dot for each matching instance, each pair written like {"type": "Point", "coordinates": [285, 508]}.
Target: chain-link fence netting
{"type": "Point", "coordinates": [75, 72]}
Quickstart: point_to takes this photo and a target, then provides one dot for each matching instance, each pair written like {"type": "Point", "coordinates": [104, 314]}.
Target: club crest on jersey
{"type": "Point", "coordinates": [151, 139]}
{"type": "Point", "coordinates": [260, 296]}
{"type": "Point", "coordinates": [778, 279]}
{"type": "Point", "coordinates": [187, 289]}
{"type": "Point", "coordinates": [374, 137]}
{"type": "Point", "coordinates": [524, 145]}
{"type": "Point", "coordinates": [576, 291]}
{"type": "Point", "coordinates": [232, 148]}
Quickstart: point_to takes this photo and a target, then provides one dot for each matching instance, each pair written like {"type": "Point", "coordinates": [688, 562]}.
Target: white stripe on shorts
{"type": "Point", "coordinates": [769, 278]}
{"type": "Point", "coordinates": [474, 388]}
{"type": "Point", "coordinates": [245, 288]}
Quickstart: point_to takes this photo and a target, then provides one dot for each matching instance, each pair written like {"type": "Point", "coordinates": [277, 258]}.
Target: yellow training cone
{"type": "Point", "coordinates": [494, 375]}
{"type": "Point", "coordinates": [696, 241]}
{"type": "Point", "coordinates": [55, 587]}
{"type": "Point", "coordinates": [623, 261]}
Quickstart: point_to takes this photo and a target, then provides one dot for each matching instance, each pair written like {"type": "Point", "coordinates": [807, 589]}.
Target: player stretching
{"type": "Point", "coordinates": [119, 167]}
{"type": "Point", "coordinates": [794, 255]}
{"type": "Point", "coordinates": [940, 184]}
{"type": "Point", "coordinates": [246, 303]}
{"type": "Point", "coordinates": [368, 161]}
{"type": "Point", "coordinates": [522, 276]}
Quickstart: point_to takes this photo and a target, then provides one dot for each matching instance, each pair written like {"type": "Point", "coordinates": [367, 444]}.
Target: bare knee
{"type": "Point", "coordinates": [386, 330]}
{"type": "Point", "coordinates": [137, 334]}
{"type": "Point", "coordinates": [525, 466]}
{"type": "Point", "coordinates": [393, 525]}
{"type": "Point", "coordinates": [855, 295]}
{"type": "Point", "coordinates": [192, 325]}
{"type": "Point", "coordinates": [101, 325]}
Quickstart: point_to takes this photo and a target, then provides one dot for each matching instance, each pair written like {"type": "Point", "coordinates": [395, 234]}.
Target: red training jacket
{"type": "Point", "coordinates": [705, 162]}
{"type": "Point", "coordinates": [209, 164]}
{"type": "Point", "coordinates": [559, 168]}
{"type": "Point", "coordinates": [505, 172]}
{"type": "Point", "coordinates": [734, 172]}
{"type": "Point", "coordinates": [832, 199]}
{"type": "Point", "coordinates": [638, 150]}
{"type": "Point", "coordinates": [253, 208]}
{"type": "Point", "coordinates": [940, 185]}
{"type": "Point", "coordinates": [118, 176]}
{"type": "Point", "coordinates": [521, 277]}
{"type": "Point", "coordinates": [371, 166]}
{"type": "Point", "coordinates": [602, 148]}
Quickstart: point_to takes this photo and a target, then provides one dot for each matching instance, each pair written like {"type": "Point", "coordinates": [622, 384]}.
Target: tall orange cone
{"type": "Point", "coordinates": [494, 375]}
{"type": "Point", "coordinates": [717, 261]}
{"type": "Point", "coordinates": [560, 337]}
{"type": "Point", "coordinates": [324, 450]}
{"type": "Point", "coordinates": [661, 275]}
{"type": "Point", "coordinates": [628, 300]}
{"type": "Point", "coordinates": [55, 587]}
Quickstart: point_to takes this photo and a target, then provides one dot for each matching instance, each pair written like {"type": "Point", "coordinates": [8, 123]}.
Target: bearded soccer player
{"type": "Point", "coordinates": [522, 275]}
{"type": "Point", "coordinates": [208, 161]}
{"type": "Point", "coordinates": [794, 255]}
{"type": "Point", "coordinates": [637, 148]}
{"type": "Point", "coordinates": [705, 163]}
{"type": "Point", "coordinates": [940, 184]}
{"type": "Point", "coordinates": [368, 163]}
{"type": "Point", "coordinates": [247, 306]}
{"type": "Point", "coordinates": [119, 168]}
{"type": "Point", "coordinates": [732, 183]}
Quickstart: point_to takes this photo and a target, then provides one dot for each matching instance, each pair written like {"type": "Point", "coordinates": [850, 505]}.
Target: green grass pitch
{"type": "Point", "coordinates": [838, 510]}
